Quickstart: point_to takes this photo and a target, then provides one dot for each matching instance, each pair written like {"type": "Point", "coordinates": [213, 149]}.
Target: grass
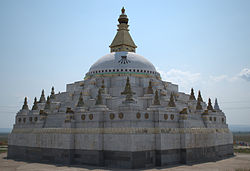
{"type": "Point", "coordinates": [241, 150]}
{"type": "Point", "coordinates": [4, 138]}
{"type": "Point", "coordinates": [3, 142]}
{"type": "Point", "coordinates": [3, 150]}
{"type": "Point", "coordinates": [242, 136]}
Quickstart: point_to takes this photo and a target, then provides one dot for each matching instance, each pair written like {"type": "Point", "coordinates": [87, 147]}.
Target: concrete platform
{"type": "Point", "coordinates": [239, 161]}
{"type": "Point", "coordinates": [120, 159]}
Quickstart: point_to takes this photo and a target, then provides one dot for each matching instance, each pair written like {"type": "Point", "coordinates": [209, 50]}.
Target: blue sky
{"type": "Point", "coordinates": [203, 44]}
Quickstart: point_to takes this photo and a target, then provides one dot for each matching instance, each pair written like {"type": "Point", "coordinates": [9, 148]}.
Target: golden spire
{"type": "Point", "coordinates": [209, 106]}
{"type": "Point", "coordinates": [123, 41]}
{"type": "Point", "coordinates": [156, 98]}
{"type": "Point", "coordinates": [47, 105]}
{"type": "Point", "coordinates": [35, 107]}
{"type": "Point", "coordinates": [150, 89]}
{"type": "Point", "coordinates": [80, 101]}
{"type": "Point", "coordinates": [123, 10]}
{"type": "Point", "coordinates": [128, 91]}
{"type": "Point", "coordinates": [99, 98]}
{"type": "Point", "coordinates": [69, 110]}
{"type": "Point", "coordinates": [198, 105]}
{"type": "Point", "coordinates": [192, 97]}
{"type": "Point", "coordinates": [52, 95]}
{"type": "Point", "coordinates": [42, 98]}
{"type": "Point", "coordinates": [171, 103]}
{"type": "Point", "coordinates": [216, 105]}
{"type": "Point", "coordinates": [199, 96]}
{"type": "Point", "coordinates": [184, 111]}
{"type": "Point", "coordinates": [103, 85]}
{"type": "Point", "coordinates": [25, 104]}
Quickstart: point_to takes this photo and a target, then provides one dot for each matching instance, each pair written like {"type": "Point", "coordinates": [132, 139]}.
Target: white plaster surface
{"type": "Point", "coordinates": [132, 132]}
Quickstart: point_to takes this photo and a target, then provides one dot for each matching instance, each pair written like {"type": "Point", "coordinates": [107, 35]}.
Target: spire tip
{"type": "Point", "coordinates": [123, 10]}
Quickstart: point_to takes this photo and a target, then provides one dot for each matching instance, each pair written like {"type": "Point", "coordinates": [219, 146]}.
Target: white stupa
{"type": "Point", "coordinates": [121, 115]}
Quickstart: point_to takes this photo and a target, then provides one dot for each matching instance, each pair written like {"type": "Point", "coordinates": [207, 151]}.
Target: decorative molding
{"type": "Point", "coordinates": [119, 130]}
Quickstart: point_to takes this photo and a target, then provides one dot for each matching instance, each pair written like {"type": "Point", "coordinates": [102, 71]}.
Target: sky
{"type": "Point", "coordinates": [204, 44]}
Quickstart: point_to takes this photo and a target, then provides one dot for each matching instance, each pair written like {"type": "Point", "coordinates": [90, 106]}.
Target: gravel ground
{"type": "Point", "coordinates": [240, 162]}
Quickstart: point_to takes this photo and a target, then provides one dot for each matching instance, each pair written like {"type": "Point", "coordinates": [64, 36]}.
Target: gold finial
{"type": "Point", "coordinates": [156, 98]}
{"type": "Point", "coordinates": [52, 95]}
{"type": "Point", "coordinates": [103, 85]}
{"type": "Point", "coordinates": [47, 105]}
{"type": "Point", "coordinates": [69, 110]}
{"type": "Point", "coordinates": [192, 97]}
{"type": "Point", "coordinates": [123, 10]}
{"type": "Point", "coordinates": [25, 104]}
{"type": "Point", "coordinates": [123, 40]}
{"type": "Point", "coordinates": [123, 19]}
{"type": "Point", "coordinates": [216, 106]}
{"type": "Point", "coordinates": [99, 98]}
{"type": "Point", "coordinates": [184, 111]}
{"type": "Point", "coordinates": [199, 96]}
{"type": "Point", "coordinates": [171, 103]}
{"type": "Point", "coordinates": [127, 88]}
{"type": "Point", "coordinates": [42, 98]}
{"type": "Point", "coordinates": [150, 89]}
{"type": "Point", "coordinates": [35, 107]}
{"type": "Point", "coordinates": [128, 91]}
{"type": "Point", "coordinates": [209, 106]}
{"type": "Point", "coordinates": [80, 101]}
{"type": "Point", "coordinates": [198, 105]}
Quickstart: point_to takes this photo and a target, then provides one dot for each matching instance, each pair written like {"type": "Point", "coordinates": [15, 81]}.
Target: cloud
{"type": "Point", "coordinates": [175, 76]}
{"type": "Point", "coordinates": [222, 78]}
{"type": "Point", "coordinates": [218, 78]}
{"type": "Point", "coordinates": [245, 74]}
{"type": "Point", "coordinates": [185, 79]}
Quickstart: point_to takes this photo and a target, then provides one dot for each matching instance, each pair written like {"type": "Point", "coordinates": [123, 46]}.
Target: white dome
{"type": "Point", "coordinates": [122, 62]}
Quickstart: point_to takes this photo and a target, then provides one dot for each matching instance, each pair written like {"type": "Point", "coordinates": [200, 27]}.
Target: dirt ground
{"type": "Point", "coordinates": [240, 162]}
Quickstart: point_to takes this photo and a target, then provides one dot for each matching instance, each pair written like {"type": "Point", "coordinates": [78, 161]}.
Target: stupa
{"type": "Point", "coordinates": [122, 114]}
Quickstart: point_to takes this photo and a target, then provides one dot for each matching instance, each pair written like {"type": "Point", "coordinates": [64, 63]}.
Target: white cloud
{"type": "Point", "coordinates": [185, 79]}
{"type": "Point", "coordinates": [218, 78]}
{"type": "Point", "coordinates": [175, 76]}
{"type": "Point", "coordinates": [223, 78]}
{"type": "Point", "coordinates": [245, 74]}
